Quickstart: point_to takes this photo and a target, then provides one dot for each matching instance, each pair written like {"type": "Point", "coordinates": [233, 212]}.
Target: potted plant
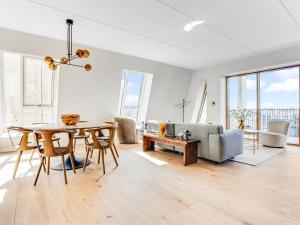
{"type": "Point", "coordinates": [241, 115]}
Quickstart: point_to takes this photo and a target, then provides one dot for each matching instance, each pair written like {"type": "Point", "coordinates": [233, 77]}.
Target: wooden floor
{"type": "Point", "coordinates": [154, 188]}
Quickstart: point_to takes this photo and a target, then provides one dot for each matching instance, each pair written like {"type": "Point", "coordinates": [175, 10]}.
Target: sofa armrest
{"type": "Point", "coordinates": [225, 146]}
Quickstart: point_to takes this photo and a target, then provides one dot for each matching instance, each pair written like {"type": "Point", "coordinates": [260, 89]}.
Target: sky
{"type": "Point", "coordinates": [134, 83]}
{"type": "Point", "coordinates": [278, 89]}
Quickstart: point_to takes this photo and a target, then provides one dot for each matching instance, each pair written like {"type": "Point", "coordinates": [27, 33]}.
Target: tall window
{"type": "Point", "coordinates": [203, 106]}
{"type": "Point", "coordinates": [27, 90]}
{"type": "Point", "coordinates": [279, 99]}
{"type": "Point", "coordinates": [266, 95]}
{"type": "Point", "coordinates": [135, 90]}
{"type": "Point", "coordinates": [242, 94]}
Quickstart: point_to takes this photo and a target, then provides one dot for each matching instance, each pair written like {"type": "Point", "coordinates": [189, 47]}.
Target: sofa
{"type": "Point", "coordinates": [216, 145]}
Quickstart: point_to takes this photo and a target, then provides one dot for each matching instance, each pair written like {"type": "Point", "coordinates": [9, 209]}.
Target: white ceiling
{"type": "Point", "coordinates": [153, 29]}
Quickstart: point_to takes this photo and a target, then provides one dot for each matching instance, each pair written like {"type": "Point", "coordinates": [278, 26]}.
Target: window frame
{"type": "Point", "coordinates": [24, 84]}
{"type": "Point", "coordinates": [258, 95]}
{"type": "Point", "coordinates": [124, 92]}
{"type": "Point", "coordinates": [23, 106]}
{"type": "Point", "coordinates": [202, 103]}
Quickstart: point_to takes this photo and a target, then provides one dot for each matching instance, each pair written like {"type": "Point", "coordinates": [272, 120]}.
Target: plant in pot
{"type": "Point", "coordinates": [241, 115]}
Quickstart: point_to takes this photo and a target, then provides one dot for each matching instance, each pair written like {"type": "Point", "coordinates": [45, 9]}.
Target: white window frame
{"type": "Point", "coordinates": [54, 91]}
{"type": "Point", "coordinates": [24, 84]}
{"type": "Point", "coordinates": [202, 105]}
{"type": "Point", "coordinates": [143, 96]}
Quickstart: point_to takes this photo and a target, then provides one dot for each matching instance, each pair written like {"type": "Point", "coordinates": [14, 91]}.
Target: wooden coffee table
{"type": "Point", "coordinates": [190, 147]}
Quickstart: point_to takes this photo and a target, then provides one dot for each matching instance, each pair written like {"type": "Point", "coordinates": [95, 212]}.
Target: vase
{"type": "Point", "coordinates": [241, 124]}
{"type": "Point", "coordinates": [162, 128]}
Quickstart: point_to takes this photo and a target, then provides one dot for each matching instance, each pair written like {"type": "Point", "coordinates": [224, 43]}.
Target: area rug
{"type": "Point", "coordinates": [262, 154]}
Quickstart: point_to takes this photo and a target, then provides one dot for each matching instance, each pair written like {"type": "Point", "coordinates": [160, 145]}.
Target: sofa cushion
{"type": "Point", "coordinates": [202, 132]}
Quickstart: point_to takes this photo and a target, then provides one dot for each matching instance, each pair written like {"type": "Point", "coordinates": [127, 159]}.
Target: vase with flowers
{"type": "Point", "coordinates": [240, 114]}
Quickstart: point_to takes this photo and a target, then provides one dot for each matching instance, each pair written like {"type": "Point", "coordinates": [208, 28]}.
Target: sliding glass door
{"type": "Point", "coordinates": [279, 99]}
{"type": "Point", "coordinates": [265, 96]}
{"type": "Point", "coordinates": [242, 93]}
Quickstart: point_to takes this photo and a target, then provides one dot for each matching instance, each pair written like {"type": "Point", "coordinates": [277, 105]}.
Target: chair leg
{"type": "Point", "coordinates": [32, 154]}
{"type": "Point", "coordinates": [48, 166]}
{"type": "Point", "coordinates": [103, 163]}
{"type": "Point", "coordinates": [92, 151]}
{"type": "Point", "coordinates": [64, 168]}
{"type": "Point", "coordinates": [44, 164]}
{"type": "Point", "coordinates": [116, 150]}
{"type": "Point", "coordinates": [99, 156]}
{"type": "Point", "coordinates": [58, 143]}
{"type": "Point", "coordinates": [113, 154]}
{"type": "Point", "coordinates": [86, 159]}
{"type": "Point", "coordinates": [86, 144]}
{"type": "Point", "coordinates": [72, 162]}
{"type": "Point", "coordinates": [74, 144]}
{"type": "Point", "coordinates": [39, 171]}
{"type": "Point", "coordinates": [17, 163]}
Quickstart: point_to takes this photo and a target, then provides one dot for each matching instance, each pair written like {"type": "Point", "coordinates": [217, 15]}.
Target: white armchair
{"type": "Point", "coordinates": [127, 133]}
{"type": "Point", "coordinates": [276, 134]}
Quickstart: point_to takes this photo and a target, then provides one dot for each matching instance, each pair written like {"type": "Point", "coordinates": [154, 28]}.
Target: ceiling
{"type": "Point", "coordinates": [153, 29]}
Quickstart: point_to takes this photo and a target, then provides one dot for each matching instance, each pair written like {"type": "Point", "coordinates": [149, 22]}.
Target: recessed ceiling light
{"type": "Point", "coordinates": [190, 26]}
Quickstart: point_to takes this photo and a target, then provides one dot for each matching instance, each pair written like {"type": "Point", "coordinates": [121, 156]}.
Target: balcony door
{"type": "Point", "coordinates": [279, 99]}
{"type": "Point", "coordinates": [266, 95]}
{"type": "Point", "coordinates": [242, 93]}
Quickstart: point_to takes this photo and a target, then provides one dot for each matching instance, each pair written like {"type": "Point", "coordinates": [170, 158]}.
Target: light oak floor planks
{"type": "Point", "coordinates": [153, 188]}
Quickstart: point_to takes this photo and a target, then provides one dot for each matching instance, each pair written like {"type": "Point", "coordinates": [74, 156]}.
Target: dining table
{"type": "Point", "coordinates": [79, 162]}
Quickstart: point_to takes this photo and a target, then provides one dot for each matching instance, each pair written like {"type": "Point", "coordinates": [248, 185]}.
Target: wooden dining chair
{"type": "Point", "coordinates": [23, 145]}
{"type": "Point", "coordinates": [103, 137]}
{"type": "Point", "coordinates": [101, 145]}
{"type": "Point", "coordinates": [82, 135]}
{"type": "Point", "coordinates": [54, 139]}
{"type": "Point", "coordinates": [47, 150]}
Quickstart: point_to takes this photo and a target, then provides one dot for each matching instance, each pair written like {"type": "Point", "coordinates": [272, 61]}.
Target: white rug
{"type": "Point", "coordinates": [261, 154]}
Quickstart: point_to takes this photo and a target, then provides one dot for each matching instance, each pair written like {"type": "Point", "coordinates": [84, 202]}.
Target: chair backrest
{"type": "Point", "coordinates": [278, 126]}
{"type": "Point", "coordinates": [23, 143]}
{"type": "Point", "coordinates": [48, 146]}
{"type": "Point", "coordinates": [111, 130]}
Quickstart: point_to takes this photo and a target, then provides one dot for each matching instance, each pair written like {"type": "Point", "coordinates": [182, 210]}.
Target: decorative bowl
{"type": "Point", "coordinates": [70, 119]}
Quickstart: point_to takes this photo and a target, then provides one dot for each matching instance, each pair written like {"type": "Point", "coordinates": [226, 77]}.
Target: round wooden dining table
{"type": "Point", "coordinates": [79, 162]}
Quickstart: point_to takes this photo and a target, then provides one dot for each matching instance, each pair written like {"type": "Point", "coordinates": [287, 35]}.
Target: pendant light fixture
{"type": "Point", "coordinates": [67, 60]}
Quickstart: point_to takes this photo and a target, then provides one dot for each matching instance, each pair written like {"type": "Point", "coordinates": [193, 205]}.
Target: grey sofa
{"type": "Point", "coordinates": [215, 145]}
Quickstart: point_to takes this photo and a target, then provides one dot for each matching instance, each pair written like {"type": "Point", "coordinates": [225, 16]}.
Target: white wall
{"type": "Point", "coordinates": [95, 94]}
{"type": "Point", "coordinates": [215, 77]}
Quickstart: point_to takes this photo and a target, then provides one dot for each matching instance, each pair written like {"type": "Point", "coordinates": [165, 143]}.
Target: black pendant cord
{"type": "Point", "coordinates": [68, 41]}
{"type": "Point", "coordinates": [71, 41]}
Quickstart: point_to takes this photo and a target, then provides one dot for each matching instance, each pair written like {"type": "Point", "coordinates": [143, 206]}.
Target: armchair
{"type": "Point", "coordinates": [276, 134]}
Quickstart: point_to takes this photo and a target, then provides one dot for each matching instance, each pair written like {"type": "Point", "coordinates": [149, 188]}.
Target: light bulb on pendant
{"type": "Point", "coordinates": [48, 60]}
{"type": "Point", "coordinates": [87, 67]}
{"type": "Point", "coordinates": [52, 66]}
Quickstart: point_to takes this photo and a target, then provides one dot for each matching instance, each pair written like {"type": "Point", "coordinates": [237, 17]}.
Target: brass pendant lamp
{"type": "Point", "coordinates": [80, 53]}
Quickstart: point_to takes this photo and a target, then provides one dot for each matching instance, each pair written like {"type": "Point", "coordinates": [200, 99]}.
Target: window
{"type": "Point", "coordinates": [242, 93]}
{"type": "Point", "coordinates": [135, 91]}
{"type": "Point", "coordinates": [266, 95]}
{"type": "Point", "coordinates": [27, 90]}
{"type": "Point", "coordinates": [203, 106]}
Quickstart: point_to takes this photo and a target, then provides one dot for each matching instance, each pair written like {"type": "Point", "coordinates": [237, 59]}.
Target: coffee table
{"type": "Point", "coordinates": [251, 143]}
{"type": "Point", "coordinates": [190, 147]}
